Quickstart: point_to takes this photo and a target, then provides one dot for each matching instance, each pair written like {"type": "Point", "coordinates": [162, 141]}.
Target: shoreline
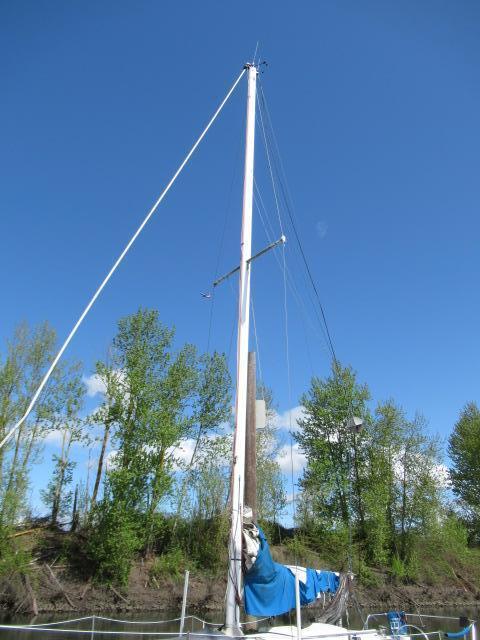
{"type": "Point", "coordinates": [55, 590]}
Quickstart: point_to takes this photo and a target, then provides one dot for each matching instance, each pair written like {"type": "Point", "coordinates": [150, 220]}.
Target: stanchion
{"type": "Point", "coordinates": [297, 606]}
{"type": "Point", "coordinates": [184, 601]}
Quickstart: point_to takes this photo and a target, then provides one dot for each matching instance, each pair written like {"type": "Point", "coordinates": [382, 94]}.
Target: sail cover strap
{"type": "Point", "coordinates": [269, 587]}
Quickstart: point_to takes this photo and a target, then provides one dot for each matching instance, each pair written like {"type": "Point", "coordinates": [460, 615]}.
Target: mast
{"type": "Point", "coordinates": [234, 580]}
{"type": "Point", "coordinates": [250, 494]}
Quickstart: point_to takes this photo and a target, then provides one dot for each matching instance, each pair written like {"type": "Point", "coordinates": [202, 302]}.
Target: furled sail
{"type": "Point", "coordinates": [269, 587]}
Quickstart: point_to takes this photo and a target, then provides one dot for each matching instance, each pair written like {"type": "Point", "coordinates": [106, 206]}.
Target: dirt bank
{"type": "Point", "coordinates": [57, 590]}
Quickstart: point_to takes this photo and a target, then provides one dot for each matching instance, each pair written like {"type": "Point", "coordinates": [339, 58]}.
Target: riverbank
{"type": "Point", "coordinates": [56, 580]}
{"type": "Point", "coordinates": [54, 589]}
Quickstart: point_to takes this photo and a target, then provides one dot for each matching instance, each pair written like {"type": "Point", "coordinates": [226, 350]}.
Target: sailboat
{"type": "Point", "coordinates": [263, 587]}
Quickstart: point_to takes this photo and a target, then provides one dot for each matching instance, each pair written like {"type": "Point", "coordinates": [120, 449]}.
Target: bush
{"type": "Point", "coordinates": [208, 543]}
{"type": "Point", "coordinates": [398, 568]}
{"type": "Point", "coordinates": [365, 575]}
{"type": "Point", "coordinates": [172, 564]}
{"type": "Point", "coordinates": [299, 549]}
{"type": "Point", "coordinates": [12, 558]}
{"type": "Point", "coordinates": [114, 541]}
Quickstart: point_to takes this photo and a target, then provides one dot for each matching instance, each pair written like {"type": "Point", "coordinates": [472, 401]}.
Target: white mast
{"type": "Point", "coordinates": [234, 581]}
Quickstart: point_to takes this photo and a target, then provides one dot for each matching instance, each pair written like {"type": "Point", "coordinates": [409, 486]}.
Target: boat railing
{"type": "Point", "coordinates": [92, 625]}
{"type": "Point", "coordinates": [188, 635]}
{"type": "Point", "coordinates": [469, 630]}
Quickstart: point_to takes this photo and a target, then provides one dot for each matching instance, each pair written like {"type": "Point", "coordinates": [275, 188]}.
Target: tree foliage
{"type": "Point", "coordinates": [162, 462]}
{"type": "Point", "coordinates": [271, 497]}
{"type": "Point", "coordinates": [381, 482]}
{"type": "Point", "coordinates": [156, 398]}
{"type": "Point", "coordinates": [464, 452]}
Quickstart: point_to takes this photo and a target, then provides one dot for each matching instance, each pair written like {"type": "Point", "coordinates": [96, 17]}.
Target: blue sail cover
{"type": "Point", "coordinates": [269, 587]}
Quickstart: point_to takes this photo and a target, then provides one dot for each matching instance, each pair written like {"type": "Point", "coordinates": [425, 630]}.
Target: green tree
{"type": "Point", "coordinates": [210, 477]}
{"type": "Point", "coordinates": [335, 453]}
{"type": "Point", "coordinates": [27, 357]}
{"type": "Point", "coordinates": [211, 410]}
{"type": "Point", "coordinates": [384, 478]}
{"type": "Point", "coordinates": [384, 447]}
{"type": "Point", "coordinates": [157, 398]}
{"type": "Point", "coordinates": [71, 428]}
{"type": "Point", "coordinates": [464, 451]}
{"type": "Point", "coordinates": [271, 497]}
{"type": "Point", "coordinates": [420, 491]}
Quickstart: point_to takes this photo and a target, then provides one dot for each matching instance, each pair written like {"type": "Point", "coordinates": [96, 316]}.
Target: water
{"type": "Point", "coordinates": [193, 625]}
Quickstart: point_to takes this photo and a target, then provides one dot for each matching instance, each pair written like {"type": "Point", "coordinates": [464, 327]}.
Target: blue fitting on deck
{"type": "Point", "coordinates": [459, 634]}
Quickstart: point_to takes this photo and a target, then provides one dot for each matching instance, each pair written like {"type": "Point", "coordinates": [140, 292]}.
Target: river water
{"type": "Point", "coordinates": [139, 626]}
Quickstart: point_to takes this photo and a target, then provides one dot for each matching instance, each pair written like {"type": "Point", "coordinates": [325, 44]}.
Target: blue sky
{"type": "Point", "coordinates": [375, 107]}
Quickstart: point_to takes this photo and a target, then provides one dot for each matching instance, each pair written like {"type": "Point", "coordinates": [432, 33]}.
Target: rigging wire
{"type": "Point", "coordinates": [224, 228]}
{"type": "Point", "coordinates": [211, 313]}
{"type": "Point", "coordinates": [304, 315]}
{"type": "Point", "coordinates": [336, 367]}
{"type": "Point", "coordinates": [285, 306]}
{"type": "Point", "coordinates": [291, 279]}
{"type": "Point", "coordinates": [117, 263]}
{"type": "Point", "coordinates": [287, 200]}
{"type": "Point", "coordinates": [257, 347]}
{"type": "Point", "coordinates": [268, 154]}
{"type": "Point", "coordinates": [270, 167]}
{"type": "Point", "coordinates": [289, 382]}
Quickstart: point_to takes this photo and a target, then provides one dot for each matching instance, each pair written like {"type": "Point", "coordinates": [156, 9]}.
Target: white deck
{"type": "Point", "coordinates": [318, 630]}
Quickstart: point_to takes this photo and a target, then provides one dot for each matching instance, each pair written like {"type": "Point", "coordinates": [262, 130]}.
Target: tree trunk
{"type": "Point", "coordinates": [358, 490]}
{"type": "Point", "coordinates": [74, 525]}
{"type": "Point", "coordinates": [100, 462]}
{"type": "Point", "coordinates": [58, 494]}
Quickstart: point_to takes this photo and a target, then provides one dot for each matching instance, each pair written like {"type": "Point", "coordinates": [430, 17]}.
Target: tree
{"type": "Point", "coordinates": [464, 451]}
{"type": "Point", "coordinates": [271, 498]}
{"type": "Point", "coordinates": [211, 410]}
{"type": "Point", "coordinates": [27, 357]}
{"type": "Point", "coordinates": [333, 450]}
{"type": "Point", "coordinates": [385, 440]}
{"type": "Point", "coordinates": [70, 426]}
{"type": "Point", "coordinates": [420, 491]}
{"type": "Point", "coordinates": [381, 483]}
{"type": "Point", "coordinates": [210, 477]}
{"type": "Point", "coordinates": [155, 399]}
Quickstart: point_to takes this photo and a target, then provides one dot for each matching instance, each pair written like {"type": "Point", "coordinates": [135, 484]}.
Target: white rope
{"type": "Point", "coordinates": [59, 622]}
{"type": "Point", "coordinates": [165, 634]}
{"type": "Point", "coordinates": [190, 634]}
{"type": "Point", "coordinates": [46, 625]}
{"type": "Point", "coordinates": [146, 622]}
{"type": "Point", "coordinates": [117, 263]}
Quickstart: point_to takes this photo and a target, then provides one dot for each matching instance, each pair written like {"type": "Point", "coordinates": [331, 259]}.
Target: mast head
{"type": "Point", "coordinates": [256, 65]}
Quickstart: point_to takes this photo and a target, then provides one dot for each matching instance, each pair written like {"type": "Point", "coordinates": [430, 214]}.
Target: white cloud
{"type": "Point", "coordinates": [438, 472]}
{"type": "Point", "coordinates": [183, 453]}
{"type": "Point", "coordinates": [288, 419]}
{"type": "Point", "coordinates": [54, 437]}
{"type": "Point", "coordinates": [94, 384]}
{"type": "Point", "coordinates": [322, 228]}
{"type": "Point", "coordinates": [110, 460]}
{"type": "Point", "coordinates": [442, 475]}
{"type": "Point", "coordinates": [291, 457]}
